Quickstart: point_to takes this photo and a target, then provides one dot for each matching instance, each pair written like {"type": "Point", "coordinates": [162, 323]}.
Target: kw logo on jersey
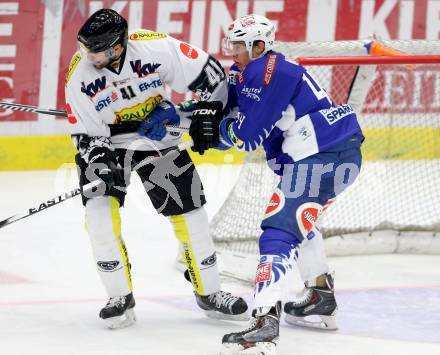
{"type": "Point", "coordinates": [146, 36]}
{"type": "Point", "coordinates": [143, 70]}
{"type": "Point", "coordinates": [93, 88]}
{"type": "Point", "coordinates": [137, 112]}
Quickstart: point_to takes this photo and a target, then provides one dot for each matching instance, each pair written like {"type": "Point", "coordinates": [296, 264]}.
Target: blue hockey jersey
{"type": "Point", "coordinates": [281, 107]}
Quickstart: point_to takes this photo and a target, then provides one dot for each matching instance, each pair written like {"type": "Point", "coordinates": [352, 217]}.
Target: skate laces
{"type": "Point", "coordinates": [305, 297]}
{"type": "Point", "coordinates": [256, 322]}
{"type": "Point", "coordinates": [116, 301]}
{"type": "Point", "coordinates": [221, 298]}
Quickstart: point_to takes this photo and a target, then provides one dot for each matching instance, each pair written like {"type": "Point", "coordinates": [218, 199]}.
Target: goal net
{"type": "Point", "coordinates": [394, 205]}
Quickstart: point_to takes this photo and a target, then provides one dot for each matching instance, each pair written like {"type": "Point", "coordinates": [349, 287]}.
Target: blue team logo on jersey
{"type": "Point", "coordinates": [252, 93]}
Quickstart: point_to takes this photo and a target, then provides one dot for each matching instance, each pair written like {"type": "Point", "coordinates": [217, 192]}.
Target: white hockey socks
{"type": "Point", "coordinates": [192, 231]}
{"type": "Point", "coordinates": [103, 223]}
{"type": "Point", "coordinates": [312, 260]}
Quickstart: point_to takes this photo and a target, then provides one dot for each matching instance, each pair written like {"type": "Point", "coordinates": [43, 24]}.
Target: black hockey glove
{"type": "Point", "coordinates": [204, 128]}
{"type": "Point", "coordinates": [103, 164]}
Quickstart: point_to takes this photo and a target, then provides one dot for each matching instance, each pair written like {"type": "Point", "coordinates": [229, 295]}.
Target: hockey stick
{"type": "Point", "coordinates": [51, 112]}
{"type": "Point", "coordinates": [86, 189]}
{"type": "Point", "coordinates": [34, 109]}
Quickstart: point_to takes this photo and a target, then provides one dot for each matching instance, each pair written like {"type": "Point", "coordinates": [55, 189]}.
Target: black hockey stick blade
{"type": "Point", "coordinates": [41, 206]}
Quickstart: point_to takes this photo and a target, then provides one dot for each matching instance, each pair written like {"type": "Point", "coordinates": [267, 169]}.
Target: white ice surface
{"type": "Point", "coordinates": [50, 294]}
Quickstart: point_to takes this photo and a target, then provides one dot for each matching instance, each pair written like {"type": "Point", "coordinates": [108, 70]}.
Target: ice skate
{"type": "Point", "coordinates": [118, 312]}
{"type": "Point", "coordinates": [316, 307]}
{"type": "Point", "coordinates": [260, 338]}
{"type": "Point", "coordinates": [223, 305]}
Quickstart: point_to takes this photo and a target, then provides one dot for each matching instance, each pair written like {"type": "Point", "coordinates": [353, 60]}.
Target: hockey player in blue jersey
{"type": "Point", "coordinates": [310, 142]}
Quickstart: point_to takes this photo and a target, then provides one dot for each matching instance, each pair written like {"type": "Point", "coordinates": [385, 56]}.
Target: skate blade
{"type": "Point", "coordinates": [235, 317]}
{"type": "Point", "coordinates": [260, 348]}
{"type": "Point", "coordinates": [325, 322]}
{"type": "Point", "coordinates": [124, 321]}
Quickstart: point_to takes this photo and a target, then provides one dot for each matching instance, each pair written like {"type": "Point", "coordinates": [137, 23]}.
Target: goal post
{"type": "Point", "coordinates": [365, 60]}
{"type": "Point", "coordinates": [394, 205]}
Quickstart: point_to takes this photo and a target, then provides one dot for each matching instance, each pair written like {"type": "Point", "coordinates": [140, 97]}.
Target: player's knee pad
{"type": "Point", "coordinates": [282, 214]}
{"type": "Point", "coordinates": [277, 242]}
{"type": "Point", "coordinates": [83, 180]}
{"type": "Point", "coordinates": [307, 215]}
{"type": "Point", "coordinates": [192, 231]}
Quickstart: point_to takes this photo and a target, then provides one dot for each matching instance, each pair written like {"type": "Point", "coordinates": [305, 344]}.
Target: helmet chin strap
{"type": "Point", "coordinates": [249, 49]}
{"type": "Point", "coordinates": [114, 58]}
{"type": "Point", "coordinates": [252, 58]}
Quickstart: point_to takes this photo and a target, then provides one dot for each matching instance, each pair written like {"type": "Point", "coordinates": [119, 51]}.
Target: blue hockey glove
{"type": "Point", "coordinates": [153, 127]}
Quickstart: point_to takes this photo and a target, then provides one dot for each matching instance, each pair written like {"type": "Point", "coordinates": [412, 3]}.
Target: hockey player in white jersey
{"type": "Point", "coordinates": [115, 93]}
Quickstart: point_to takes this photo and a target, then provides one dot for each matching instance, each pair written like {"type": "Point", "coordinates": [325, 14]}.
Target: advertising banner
{"type": "Point", "coordinates": [38, 38]}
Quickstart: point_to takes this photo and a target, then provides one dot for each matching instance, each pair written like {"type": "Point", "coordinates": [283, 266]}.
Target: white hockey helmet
{"type": "Point", "coordinates": [248, 29]}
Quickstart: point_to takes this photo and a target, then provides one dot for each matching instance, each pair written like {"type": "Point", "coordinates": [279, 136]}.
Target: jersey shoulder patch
{"type": "Point", "coordinates": [72, 66]}
{"type": "Point", "coordinates": [269, 69]}
{"type": "Point", "coordinates": [144, 35]}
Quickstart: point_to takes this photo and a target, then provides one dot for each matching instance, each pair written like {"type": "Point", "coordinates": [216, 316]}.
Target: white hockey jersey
{"type": "Point", "coordinates": [99, 98]}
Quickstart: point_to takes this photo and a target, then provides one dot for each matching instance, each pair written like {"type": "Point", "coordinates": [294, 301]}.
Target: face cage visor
{"type": "Point", "coordinates": [231, 48]}
{"type": "Point", "coordinates": [98, 59]}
